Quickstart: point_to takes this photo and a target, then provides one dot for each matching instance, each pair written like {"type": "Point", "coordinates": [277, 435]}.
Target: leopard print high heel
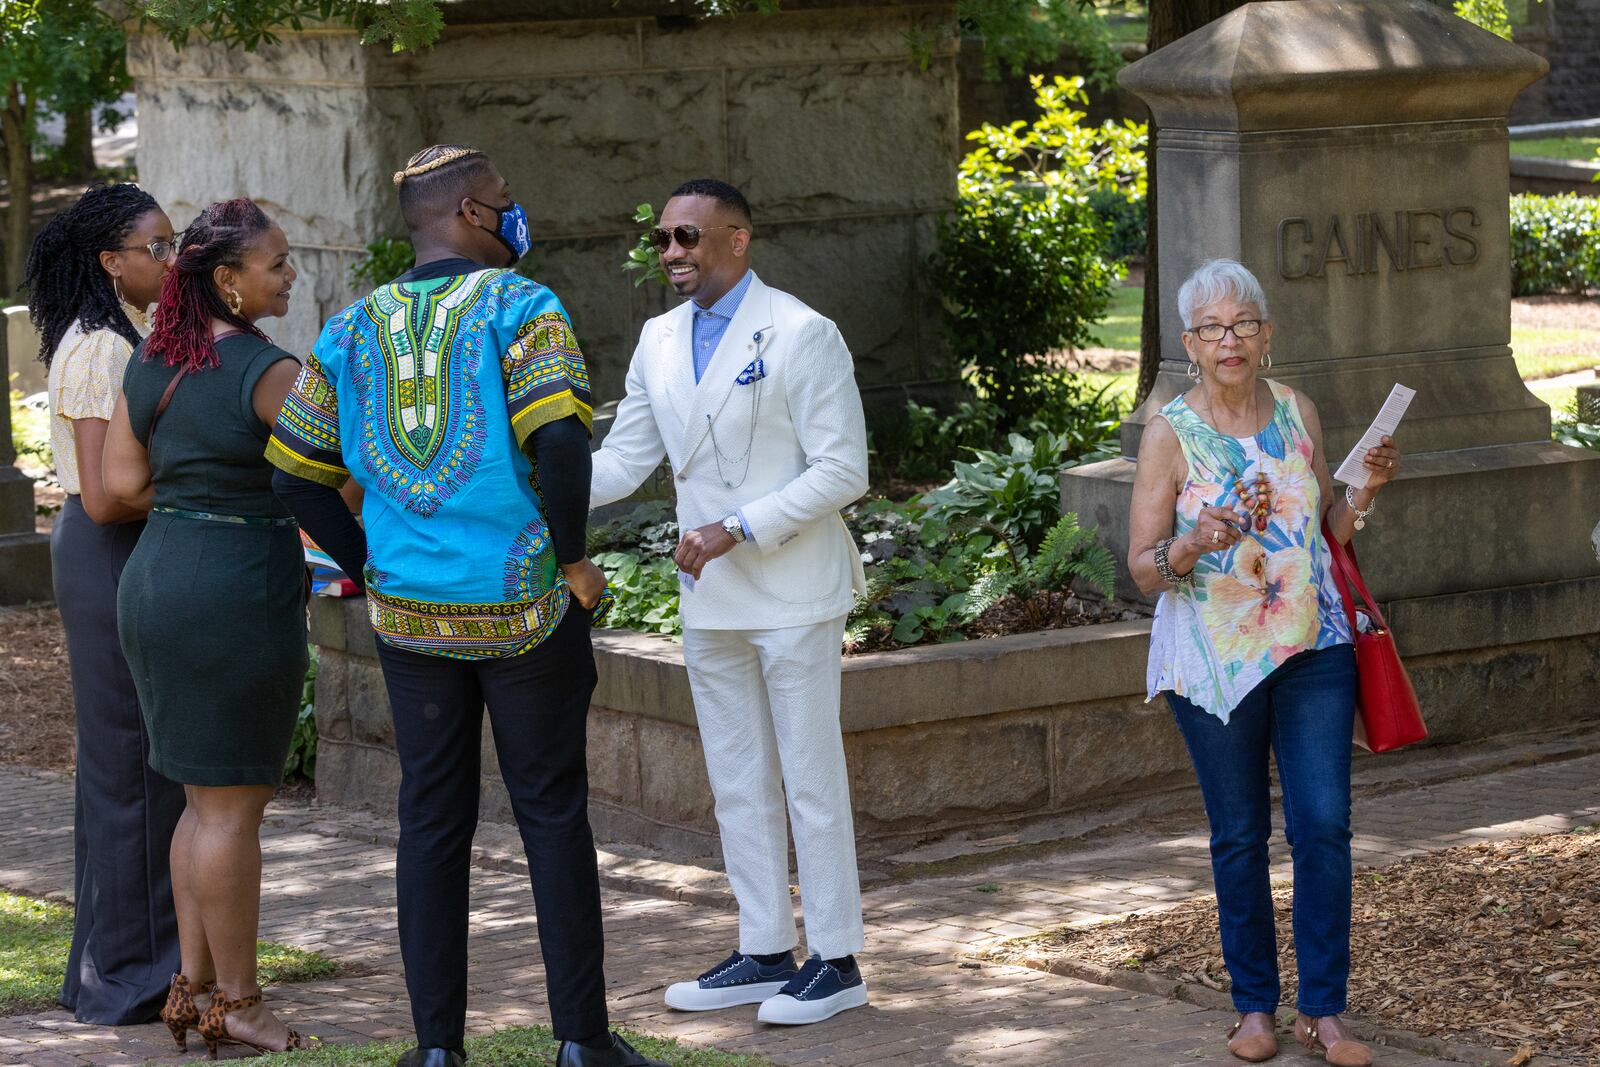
{"type": "Point", "coordinates": [179, 1012]}
{"type": "Point", "coordinates": [214, 1025]}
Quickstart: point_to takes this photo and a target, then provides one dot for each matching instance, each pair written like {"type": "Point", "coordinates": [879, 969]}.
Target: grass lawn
{"type": "Point", "coordinates": [1120, 327]}
{"type": "Point", "coordinates": [1546, 351]}
{"type": "Point", "coordinates": [1582, 149]}
{"type": "Point", "coordinates": [35, 936]}
{"type": "Point", "coordinates": [1541, 351]}
{"type": "Point", "coordinates": [521, 1046]}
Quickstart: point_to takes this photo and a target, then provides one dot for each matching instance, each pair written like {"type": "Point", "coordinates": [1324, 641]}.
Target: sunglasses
{"type": "Point", "coordinates": [1215, 331]}
{"type": "Point", "coordinates": [159, 249]}
{"type": "Point", "coordinates": [686, 236]}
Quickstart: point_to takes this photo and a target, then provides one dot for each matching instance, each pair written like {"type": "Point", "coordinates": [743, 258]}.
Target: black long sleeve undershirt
{"type": "Point", "coordinates": [560, 449]}
{"type": "Point", "coordinates": [323, 514]}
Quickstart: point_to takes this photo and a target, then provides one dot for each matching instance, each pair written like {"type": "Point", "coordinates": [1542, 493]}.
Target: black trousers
{"type": "Point", "coordinates": [538, 710]}
{"type": "Point", "coordinates": [125, 933]}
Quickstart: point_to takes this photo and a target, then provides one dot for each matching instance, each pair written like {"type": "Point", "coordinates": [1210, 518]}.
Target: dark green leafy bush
{"type": "Point", "coordinates": [1019, 262]}
{"type": "Point", "coordinates": [1555, 244]}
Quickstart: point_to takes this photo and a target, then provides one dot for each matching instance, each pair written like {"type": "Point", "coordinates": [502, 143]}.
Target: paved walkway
{"type": "Point", "coordinates": [931, 1003]}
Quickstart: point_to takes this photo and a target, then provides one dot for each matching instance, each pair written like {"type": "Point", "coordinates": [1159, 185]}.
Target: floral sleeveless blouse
{"type": "Point", "coordinates": [1269, 597]}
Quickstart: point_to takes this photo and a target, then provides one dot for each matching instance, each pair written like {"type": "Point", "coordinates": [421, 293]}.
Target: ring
{"type": "Point", "coordinates": [1216, 535]}
{"type": "Point", "coordinates": [1391, 464]}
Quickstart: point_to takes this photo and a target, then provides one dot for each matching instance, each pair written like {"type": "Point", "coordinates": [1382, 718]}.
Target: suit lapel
{"type": "Point", "coordinates": [737, 350]}
{"type": "Point", "coordinates": [677, 340]}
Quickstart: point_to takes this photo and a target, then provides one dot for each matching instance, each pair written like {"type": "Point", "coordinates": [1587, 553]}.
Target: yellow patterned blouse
{"type": "Point", "coordinates": [85, 380]}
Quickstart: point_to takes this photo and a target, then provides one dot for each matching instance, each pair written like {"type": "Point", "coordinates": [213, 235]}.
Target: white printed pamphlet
{"type": "Point", "coordinates": [1353, 471]}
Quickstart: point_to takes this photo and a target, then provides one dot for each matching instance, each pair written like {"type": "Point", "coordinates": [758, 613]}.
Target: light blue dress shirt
{"type": "Point", "coordinates": [712, 322]}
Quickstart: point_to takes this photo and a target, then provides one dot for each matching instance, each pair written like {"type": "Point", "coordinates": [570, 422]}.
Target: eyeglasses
{"type": "Point", "coordinates": [159, 249]}
{"type": "Point", "coordinates": [1215, 331]}
{"type": "Point", "coordinates": [686, 236]}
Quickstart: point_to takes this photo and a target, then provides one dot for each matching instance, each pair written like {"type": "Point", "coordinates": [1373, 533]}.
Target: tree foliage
{"type": "Point", "coordinates": [406, 24]}
{"type": "Point", "coordinates": [1020, 262]}
{"type": "Point", "coordinates": [55, 56]}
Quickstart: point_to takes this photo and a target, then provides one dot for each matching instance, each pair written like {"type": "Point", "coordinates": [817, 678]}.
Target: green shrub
{"type": "Point", "coordinates": [1020, 261]}
{"type": "Point", "coordinates": [1124, 222]}
{"type": "Point", "coordinates": [387, 258]}
{"type": "Point", "coordinates": [922, 443]}
{"type": "Point", "coordinates": [643, 259]}
{"type": "Point", "coordinates": [1018, 492]}
{"type": "Point", "coordinates": [1555, 243]}
{"type": "Point", "coordinates": [302, 761]}
{"type": "Point", "coordinates": [635, 550]}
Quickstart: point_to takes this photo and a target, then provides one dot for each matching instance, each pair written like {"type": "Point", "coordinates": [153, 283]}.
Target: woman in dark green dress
{"type": "Point", "coordinates": [211, 609]}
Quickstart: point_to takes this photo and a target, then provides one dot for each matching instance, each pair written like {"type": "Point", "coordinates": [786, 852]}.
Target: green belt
{"type": "Point", "coordinates": [237, 520]}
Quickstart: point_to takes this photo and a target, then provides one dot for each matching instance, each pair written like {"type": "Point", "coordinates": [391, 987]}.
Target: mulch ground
{"type": "Point", "coordinates": [35, 690]}
{"type": "Point", "coordinates": [1495, 944]}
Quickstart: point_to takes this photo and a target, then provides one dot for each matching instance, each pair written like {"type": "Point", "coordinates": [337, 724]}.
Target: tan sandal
{"type": "Point", "coordinates": [214, 1025]}
{"type": "Point", "coordinates": [1254, 1048]}
{"type": "Point", "coordinates": [1342, 1053]}
{"type": "Point", "coordinates": [180, 1013]}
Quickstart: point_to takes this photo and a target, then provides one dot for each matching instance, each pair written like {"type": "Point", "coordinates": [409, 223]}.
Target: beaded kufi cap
{"type": "Point", "coordinates": [442, 159]}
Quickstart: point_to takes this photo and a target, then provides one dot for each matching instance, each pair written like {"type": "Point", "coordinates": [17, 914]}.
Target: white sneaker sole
{"type": "Point", "coordinates": [787, 1011]}
{"type": "Point", "coordinates": [688, 996]}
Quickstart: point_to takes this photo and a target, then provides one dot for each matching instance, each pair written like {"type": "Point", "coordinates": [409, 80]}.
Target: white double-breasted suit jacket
{"type": "Point", "coordinates": [773, 430]}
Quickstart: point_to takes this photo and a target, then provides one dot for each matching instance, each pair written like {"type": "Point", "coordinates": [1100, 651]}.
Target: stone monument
{"type": "Point", "coordinates": [1353, 154]}
{"type": "Point", "coordinates": [842, 142]}
{"type": "Point", "coordinates": [24, 552]}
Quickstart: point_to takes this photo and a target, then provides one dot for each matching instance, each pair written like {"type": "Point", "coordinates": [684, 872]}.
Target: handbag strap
{"type": "Point", "coordinates": [166, 398]}
{"type": "Point", "coordinates": [1347, 576]}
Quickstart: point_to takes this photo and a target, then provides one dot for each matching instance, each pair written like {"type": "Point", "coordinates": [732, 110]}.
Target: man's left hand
{"type": "Point", "coordinates": [700, 546]}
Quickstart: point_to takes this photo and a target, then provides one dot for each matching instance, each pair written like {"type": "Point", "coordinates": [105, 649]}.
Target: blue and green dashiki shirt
{"type": "Point", "coordinates": [426, 392]}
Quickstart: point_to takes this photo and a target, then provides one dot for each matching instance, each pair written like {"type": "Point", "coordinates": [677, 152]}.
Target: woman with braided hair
{"type": "Point", "coordinates": [212, 605]}
{"type": "Point", "coordinates": [92, 272]}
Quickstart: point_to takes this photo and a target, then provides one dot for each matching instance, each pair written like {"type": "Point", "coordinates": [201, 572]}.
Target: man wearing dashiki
{"type": "Point", "coordinates": [456, 396]}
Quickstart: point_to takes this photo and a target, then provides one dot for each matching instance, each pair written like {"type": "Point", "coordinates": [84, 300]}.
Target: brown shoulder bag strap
{"type": "Point", "coordinates": [166, 398]}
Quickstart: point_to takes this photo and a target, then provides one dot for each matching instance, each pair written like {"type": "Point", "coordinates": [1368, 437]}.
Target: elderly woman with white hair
{"type": "Point", "coordinates": [1252, 648]}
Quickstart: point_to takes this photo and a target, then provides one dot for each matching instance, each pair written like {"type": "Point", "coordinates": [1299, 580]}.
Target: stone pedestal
{"type": "Point", "coordinates": [1353, 154]}
{"type": "Point", "coordinates": [24, 552]}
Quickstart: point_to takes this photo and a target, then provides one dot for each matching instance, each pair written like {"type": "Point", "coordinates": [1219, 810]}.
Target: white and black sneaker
{"type": "Point", "coordinates": [739, 979]}
{"type": "Point", "coordinates": [820, 991]}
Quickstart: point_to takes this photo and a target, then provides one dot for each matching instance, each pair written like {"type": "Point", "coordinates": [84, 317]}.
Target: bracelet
{"type": "Point", "coordinates": [1164, 568]}
{"type": "Point", "coordinates": [1350, 502]}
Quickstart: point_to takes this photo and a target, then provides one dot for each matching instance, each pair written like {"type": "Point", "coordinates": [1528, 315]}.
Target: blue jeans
{"type": "Point", "coordinates": [1304, 711]}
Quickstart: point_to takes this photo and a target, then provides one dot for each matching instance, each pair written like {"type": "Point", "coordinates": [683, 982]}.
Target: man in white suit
{"type": "Point", "coordinates": [751, 396]}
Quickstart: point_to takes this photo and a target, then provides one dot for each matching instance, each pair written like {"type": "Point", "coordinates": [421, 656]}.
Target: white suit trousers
{"type": "Point", "coordinates": [768, 706]}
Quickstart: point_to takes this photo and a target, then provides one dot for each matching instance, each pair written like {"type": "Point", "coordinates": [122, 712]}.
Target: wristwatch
{"type": "Point", "coordinates": [735, 528]}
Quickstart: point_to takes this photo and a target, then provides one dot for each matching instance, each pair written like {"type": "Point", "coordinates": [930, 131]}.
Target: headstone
{"type": "Point", "coordinates": [27, 374]}
{"type": "Point", "coordinates": [1353, 154]}
{"type": "Point", "coordinates": [24, 552]}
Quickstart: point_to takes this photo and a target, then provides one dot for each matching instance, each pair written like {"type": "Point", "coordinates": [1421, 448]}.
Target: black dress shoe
{"type": "Point", "coordinates": [431, 1057]}
{"type": "Point", "coordinates": [620, 1054]}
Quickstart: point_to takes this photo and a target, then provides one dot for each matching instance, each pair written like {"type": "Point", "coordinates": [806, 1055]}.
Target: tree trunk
{"type": "Point", "coordinates": [77, 148]}
{"type": "Point", "coordinates": [14, 130]}
{"type": "Point", "coordinates": [1169, 20]}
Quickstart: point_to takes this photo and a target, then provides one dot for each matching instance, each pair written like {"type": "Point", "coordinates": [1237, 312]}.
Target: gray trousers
{"type": "Point", "coordinates": [125, 936]}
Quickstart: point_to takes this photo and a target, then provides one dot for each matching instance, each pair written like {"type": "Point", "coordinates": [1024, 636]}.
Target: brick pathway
{"type": "Point", "coordinates": [931, 1003]}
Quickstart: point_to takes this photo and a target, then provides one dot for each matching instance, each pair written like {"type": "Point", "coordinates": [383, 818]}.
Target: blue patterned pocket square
{"type": "Point", "coordinates": [756, 371]}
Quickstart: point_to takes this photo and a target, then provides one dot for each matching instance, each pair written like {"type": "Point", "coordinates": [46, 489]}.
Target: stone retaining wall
{"type": "Point", "coordinates": [976, 735]}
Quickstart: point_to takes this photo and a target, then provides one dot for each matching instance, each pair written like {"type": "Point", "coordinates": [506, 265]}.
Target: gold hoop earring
{"type": "Point", "coordinates": [235, 301]}
{"type": "Point", "coordinates": [1193, 372]}
{"type": "Point", "coordinates": [116, 287]}
{"type": "Point", "coordinates": [1266, 360]}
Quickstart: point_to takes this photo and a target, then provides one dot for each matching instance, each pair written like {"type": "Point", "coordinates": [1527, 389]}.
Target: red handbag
{"type": "Point", "coordinates": [1388, 713]}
